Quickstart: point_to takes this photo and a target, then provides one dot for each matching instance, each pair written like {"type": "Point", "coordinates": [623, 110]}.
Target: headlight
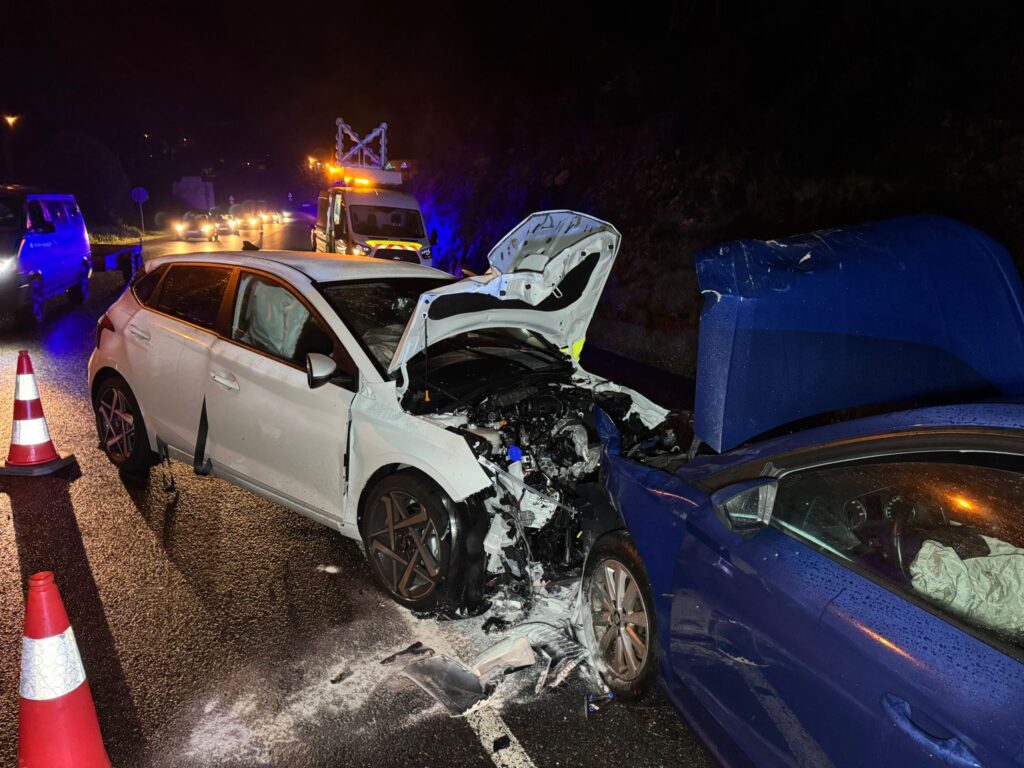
{"type": "Point", "coordinates": [207, 229]}
{"type": "Point", "coordinates": [358, 249]}
{"type": "Point", "coordinates": [8, 264]}
{"type": "Point", "coordinates": [179, 227]}
{"type": "Point", "coordinates": [254, 221]}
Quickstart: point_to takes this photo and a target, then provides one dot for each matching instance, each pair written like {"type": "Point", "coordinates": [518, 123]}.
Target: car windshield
{"type": "Point", "coordinates": [377, 311]}
{"type": "Point", "coordinates": [11, 218]}
{"type": "Point", "coordinates": [382, 221]}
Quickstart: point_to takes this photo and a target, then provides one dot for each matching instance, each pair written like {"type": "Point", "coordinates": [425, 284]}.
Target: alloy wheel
{"type": "Point", "coordinates": [405, 546]}
{"type": "Point", "coordinates": [620, 620]}
{"type": "Point", "coordinates": [118, 425]}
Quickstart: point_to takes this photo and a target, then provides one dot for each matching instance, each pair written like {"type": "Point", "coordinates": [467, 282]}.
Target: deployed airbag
{"type": "Point", "coordinates": [985, 591]}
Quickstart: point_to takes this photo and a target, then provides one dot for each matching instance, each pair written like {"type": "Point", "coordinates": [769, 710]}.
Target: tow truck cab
{"type": "Point", "coordinates": [363, 217]}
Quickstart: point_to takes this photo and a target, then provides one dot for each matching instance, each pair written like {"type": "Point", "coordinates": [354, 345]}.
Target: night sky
{"type": "Point", "coordinates": [819, 87]}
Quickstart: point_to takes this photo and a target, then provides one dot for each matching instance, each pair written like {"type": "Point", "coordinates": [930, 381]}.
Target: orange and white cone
{"type": "Point", "coordinates": [57, 725]}
{"type": "Point", "coordinates": [32, 450]}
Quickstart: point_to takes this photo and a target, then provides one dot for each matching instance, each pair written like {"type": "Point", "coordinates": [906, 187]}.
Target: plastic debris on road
{"type": "Point", "coordinates": [449, 682]}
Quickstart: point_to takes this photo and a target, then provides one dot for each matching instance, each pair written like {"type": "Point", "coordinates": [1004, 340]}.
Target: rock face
{"type": "Point", "coordinates": [194, 192]}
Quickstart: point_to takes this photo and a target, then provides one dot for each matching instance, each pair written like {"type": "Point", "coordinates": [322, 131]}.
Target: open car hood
{"type": "Point", "coordinates": [909, 310]}
{"type": "Point", "coordinates": [546, 275]}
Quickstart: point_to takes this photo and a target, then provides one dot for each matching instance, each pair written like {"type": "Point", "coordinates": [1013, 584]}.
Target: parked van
{"type": "Point", "coordinates": [371, 219]}
{"type": "Point", "coordinates": [44, 251]}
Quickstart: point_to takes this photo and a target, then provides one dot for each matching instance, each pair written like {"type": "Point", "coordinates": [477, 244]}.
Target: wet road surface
{"type": "Point", "coordinates": [218, 629]}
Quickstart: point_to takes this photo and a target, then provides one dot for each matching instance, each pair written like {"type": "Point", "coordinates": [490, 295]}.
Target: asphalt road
{"type": "Point", "coordinates": [218, 629]}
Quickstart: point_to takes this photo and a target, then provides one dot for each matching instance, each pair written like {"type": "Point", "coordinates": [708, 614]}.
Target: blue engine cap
{"type": "Point", "coordinates": [515, 453]}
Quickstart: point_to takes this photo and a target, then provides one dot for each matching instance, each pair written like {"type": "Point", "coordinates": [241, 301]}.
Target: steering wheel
{"type": "Point", "coordinates": [901, 517]}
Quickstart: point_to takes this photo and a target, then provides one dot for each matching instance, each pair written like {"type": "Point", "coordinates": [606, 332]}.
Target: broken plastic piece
{"type": "Point", "coordinates": [456, 687]}
{"type": "Point", "coordinates": [416, 649]}
{"type": "Point", "coordinates": [592, 702]}
{"type": "Point", "coordinates": [510, 653]}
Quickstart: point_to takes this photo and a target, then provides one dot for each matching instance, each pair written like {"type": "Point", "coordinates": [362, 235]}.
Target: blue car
{"type": "Point", "coordinates": [833, 573]}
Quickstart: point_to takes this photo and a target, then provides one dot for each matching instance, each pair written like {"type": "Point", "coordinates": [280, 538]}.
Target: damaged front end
{"type": "Point", "coordinates": [540, 445]}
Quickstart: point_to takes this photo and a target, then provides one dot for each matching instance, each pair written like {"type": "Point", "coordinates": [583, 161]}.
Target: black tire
{"type": "Point", "coordinates": [33, 311]}
{"type": "Point", "coordinates": [623, 640]}
{"type": "Point", "coordinates": [413, 562]}
{"type": "Point", "coordinates": [79, 292]}
{"type": "Point", "coordinates": [126, 444]}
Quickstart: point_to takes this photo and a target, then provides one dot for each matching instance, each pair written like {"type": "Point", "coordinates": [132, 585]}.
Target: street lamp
{"type": "Point", "coordinates": [11, 120]}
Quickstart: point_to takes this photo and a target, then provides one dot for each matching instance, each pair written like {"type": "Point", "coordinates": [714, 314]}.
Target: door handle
{"type": "Point", "coordinates": [138, 333]}
{"type": "Point", "coordinates": [225, 380]}
{"type": "Point", "coordinates": [952, 750]}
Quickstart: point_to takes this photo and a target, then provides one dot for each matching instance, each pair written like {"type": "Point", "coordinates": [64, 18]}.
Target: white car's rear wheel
{"type": "Point", "coordinates": [122, 431]}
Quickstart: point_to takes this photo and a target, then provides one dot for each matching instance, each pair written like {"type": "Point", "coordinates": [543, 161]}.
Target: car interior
{"type": "Point", "coordinates": [950, 533]}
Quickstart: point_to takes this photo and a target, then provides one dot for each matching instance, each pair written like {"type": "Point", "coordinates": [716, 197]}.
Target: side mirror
{"type": "Point", "coordinates": [319, 369]}
{"type": "Point", "coordinates": [433, 237]}
{"type": "Point", "coordinates": [747, 506]}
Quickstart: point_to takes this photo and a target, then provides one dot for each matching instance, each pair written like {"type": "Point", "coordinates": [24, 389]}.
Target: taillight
{"type": "Point", "coordinates": [103, 324]}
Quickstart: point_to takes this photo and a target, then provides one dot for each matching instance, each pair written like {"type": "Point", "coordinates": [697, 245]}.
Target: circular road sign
{"type": "Point", "coordinates": [139, 195]}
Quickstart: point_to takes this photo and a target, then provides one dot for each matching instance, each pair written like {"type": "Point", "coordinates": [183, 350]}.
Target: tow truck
{"type": "Point", "coordinates": [365, 213]}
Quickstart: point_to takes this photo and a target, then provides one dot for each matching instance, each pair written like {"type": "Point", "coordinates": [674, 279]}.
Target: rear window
{"type": "Point", "coordinates": [74, 214]}
{"type": "Point", "coordinates": [194, 294]}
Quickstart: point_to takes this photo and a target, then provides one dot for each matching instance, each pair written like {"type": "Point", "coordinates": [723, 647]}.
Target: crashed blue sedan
{"type": "Point", "coordinates": [833, 574]}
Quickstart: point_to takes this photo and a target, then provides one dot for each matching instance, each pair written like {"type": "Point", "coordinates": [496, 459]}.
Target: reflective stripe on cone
{"type": "Point", "coordinates": [57, 724]}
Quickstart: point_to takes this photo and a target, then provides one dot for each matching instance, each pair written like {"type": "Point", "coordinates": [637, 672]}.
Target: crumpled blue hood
{"type": "Point", "coordinates": [904, 310]}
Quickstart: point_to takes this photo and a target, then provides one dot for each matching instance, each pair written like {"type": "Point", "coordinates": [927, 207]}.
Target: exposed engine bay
{"type": "Point", "coordinates": [539, 443]}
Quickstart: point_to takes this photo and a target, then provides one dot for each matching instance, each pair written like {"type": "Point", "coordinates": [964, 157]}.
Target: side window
{"type": "Point", "coordinates": [37, 214]}
{"type": "Point", "coordinates": [339, 216]}
{"type": "Point", "coordinates": [71, 207]}
{"type": "Point", "coordinates": [194, 293]}
{"type": "Point", "coordinates": [57, 213]}
{"type": "Point", "coordinates": [949, 533]}
{"type": "Point", "coordinates": [322, 204]}
{"type": "Point", "coordinates": [146, 282]}
{"type": "Point", "coordinates": [272, 319]}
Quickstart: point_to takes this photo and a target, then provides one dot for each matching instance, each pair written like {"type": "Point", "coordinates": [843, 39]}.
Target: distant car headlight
{"type": "Point", "coordinates": [179, 228]}
{"type": "Point", "coordinates": [207, 229]}
{"type": "Point", "coordinates": [8, 264]}
{"type": "Point", "coordinates": [253, 221]}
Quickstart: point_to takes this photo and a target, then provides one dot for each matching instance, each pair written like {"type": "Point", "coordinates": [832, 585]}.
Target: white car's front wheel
{"type": "Point", "coordinates": [408, 532]}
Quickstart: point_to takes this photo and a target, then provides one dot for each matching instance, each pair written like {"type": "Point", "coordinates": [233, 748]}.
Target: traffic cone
{"type": "Point", "coordinates": [32, 451]}
{"type": "Point", "coordinates": [57, 727]}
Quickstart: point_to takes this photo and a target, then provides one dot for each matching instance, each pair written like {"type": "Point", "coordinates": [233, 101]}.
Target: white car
{"type": "Point", "coordinates": [442, 423]}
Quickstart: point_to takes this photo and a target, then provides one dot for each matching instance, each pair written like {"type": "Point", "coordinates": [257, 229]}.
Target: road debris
{"type": "Point", "coordinates": [448, 681]}
{"type": "Point", "coordinates": [592, 702]}
{"type": "Point", "coordinates": [509, 654]}
{"type": "Point", "coordinates": [416, 649]}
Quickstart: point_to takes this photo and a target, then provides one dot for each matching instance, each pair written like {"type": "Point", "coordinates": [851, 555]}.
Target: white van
{"type": "Point", "coordinates": [371, 221]}
{"type": "Point", "coordinates": [44, 235]}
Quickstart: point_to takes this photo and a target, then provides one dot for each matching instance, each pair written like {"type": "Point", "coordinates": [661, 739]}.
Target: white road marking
{"type": "Point", "coordinates": [489, 726]}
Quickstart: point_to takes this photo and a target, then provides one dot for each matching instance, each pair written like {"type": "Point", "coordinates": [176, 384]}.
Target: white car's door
{"type": "Point", "coordinates": [267, 428]}
{"type": "Point", "coordinates": [170, 349]}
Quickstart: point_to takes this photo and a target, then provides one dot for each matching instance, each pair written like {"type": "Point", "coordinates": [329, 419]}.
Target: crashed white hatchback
{"type": "Point", "coordinates": [441, 422]}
